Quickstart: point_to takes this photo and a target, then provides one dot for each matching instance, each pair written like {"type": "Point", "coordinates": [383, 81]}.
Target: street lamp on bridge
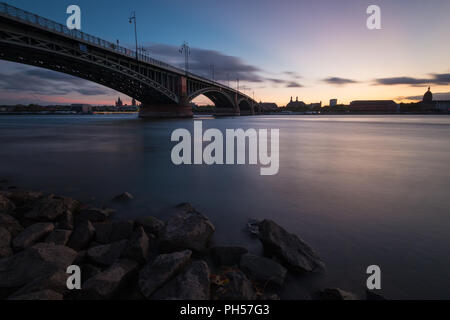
{"type": "Point", "coordinates": [187, 52]}
{"type": "Point", "coordinates": [133, 18]}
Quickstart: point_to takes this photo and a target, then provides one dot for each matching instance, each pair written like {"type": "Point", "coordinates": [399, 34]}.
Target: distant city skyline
{"type": "Point", "coordinates": [316, 51]}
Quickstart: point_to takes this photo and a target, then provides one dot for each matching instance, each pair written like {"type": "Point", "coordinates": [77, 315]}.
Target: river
{"type": "Point", "coordinates": [361, 190]}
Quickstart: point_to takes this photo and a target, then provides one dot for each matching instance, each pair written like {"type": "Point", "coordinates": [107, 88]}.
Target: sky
{"type": "Point", "coordinates": [314, 50]}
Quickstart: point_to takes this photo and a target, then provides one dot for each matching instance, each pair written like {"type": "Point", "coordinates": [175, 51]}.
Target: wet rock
{"type": "Point", "coordinates": [96, 214]}
{"type": "Point", "coordinates": [192, 284]}
{"type": "Point", "coordinates": [124, 197]}
{"type": "Point", "coordinates": [59, 237]}
{"type": "Point", "coordinates": [292, 251]}
{"type": "Point", "coordinates": [154, 275]}
{"type": "Point", "coordinates": [32, 234]}
{"type": "Point", "coordinates": [113, 231]}
{"type": "Point", "coordinates": [106, 284]}
{"type": "Point", "coordinates": [151, 225]}
{"type": "Point", "coordinates": [108, 254]}
{"type": "Point", "coordinates": [370, 295]}
{"type": "Point", "coordinates": [227, 256]}
{"type": "Point", "coordinates": [56, 281]}
{"type": "Point", "coordinates": [81, 236]}
{"type": "Point", "coordinates": [138, 247]}
{"type": "Point", "coordinates": [38, 261]}
{"type": "Point", "coordinates": [186, 230]}
{"type": "Point", "coordinates": [65, 222]}
{"type": "Point", "coordinates": [238, 287]}
{"type": "Point", "coordinates": [40, 296]}
{"type": "Point", "coordinates": [336, 294]}
{"type": "Point", "coordinates": [52, 208]}
{"type": "Point", "coordinates": [10, 224]}
{"type": "Point", "coordinates": [263, 270]}
{"type": "Point", "coordinates": [6, 205]}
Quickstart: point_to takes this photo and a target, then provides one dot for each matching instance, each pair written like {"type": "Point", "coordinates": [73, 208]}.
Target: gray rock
{"type": "Point", "coordinates": [89, 271]}
{"type": "Point", "coordinates": [154, 275]}
{"type": "Point", "coordinates": [23, 198]}
{"type": "Point", "coordinates": [186, 230]}
{"type": "Point", "coordinates": [138, 246]}
{"type": "Point", "coordinates": [81, 236]}
{"type": "Point", "coordinates": [107, 254]}
{"type": "Point", "coordinates": [96, 214]}
{"type": "Point", "coordinates": [49, 295]}
{"type": "Point", "coordinates": [290, 249]}
{"type": "Point", "coordinates": [227, 256]}
{"type": "Point", "coordinates": [59, 237]}
{"type": "Point", "coordinates": [38, 261]}
{"type": "Point", "coordinates": [32, 234]}
{"type": "Point", "coordinates": [65, 222]}
{"type": "Point", "coordinates": [10, 224]}
{"type": "Point", "coordinates": [105, 285]}
{"type": "Point", "coordinates": [6, 205]}
{"type": "Point", "coordinates": [124, 197]}
{"type": "Point", "coordinates": [151, 225]}
{"type": "Point", "coordinates": [263, 270]}
{"type": "Point", "coordinates": [5, 243]}
{"type": "Point", "coordinates": [113, 231]}
{"type": "Point", "coordinates": [238, 288]}
{"type": "Point", "coordinates": [56, 281]}
{"type": "Point", "coordinates": [192, 284]}
{"type": "Point", "coordinates": [52, 208]}
{"type": "Point", "coordinates": [336, 294]}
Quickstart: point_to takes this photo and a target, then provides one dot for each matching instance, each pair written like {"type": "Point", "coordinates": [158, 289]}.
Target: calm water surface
{"type": "Point", "coordinates": [360, 190]}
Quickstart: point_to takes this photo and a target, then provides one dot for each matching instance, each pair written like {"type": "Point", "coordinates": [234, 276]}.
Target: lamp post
{"type": "Point", "coordinates": [133, 18]}
{"type": "Point", "coordinates": [187, 52]}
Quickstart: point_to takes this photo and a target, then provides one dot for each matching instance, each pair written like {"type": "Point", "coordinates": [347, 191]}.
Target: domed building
{"type": "Point", "coordinates": [428, 96]}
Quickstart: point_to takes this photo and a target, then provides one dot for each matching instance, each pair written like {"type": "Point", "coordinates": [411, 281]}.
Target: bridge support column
{"type": "Point", "coordinates": [165, 111]}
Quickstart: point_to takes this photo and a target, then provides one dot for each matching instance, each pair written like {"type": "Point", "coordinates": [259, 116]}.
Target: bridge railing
{"type": "Point", "coordinates": [34, 19]}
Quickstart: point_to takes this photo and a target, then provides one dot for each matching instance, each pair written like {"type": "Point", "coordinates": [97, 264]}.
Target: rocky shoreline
{"type": "Point", "coordinates": [42, 235]}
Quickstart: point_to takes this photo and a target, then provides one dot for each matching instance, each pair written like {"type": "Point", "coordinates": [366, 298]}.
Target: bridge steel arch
{"type": "Point", "coordinates": [164, 90]}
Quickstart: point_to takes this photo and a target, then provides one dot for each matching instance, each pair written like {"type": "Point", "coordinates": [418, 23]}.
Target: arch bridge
{"type": "Point", "coordinates": [163, 90]}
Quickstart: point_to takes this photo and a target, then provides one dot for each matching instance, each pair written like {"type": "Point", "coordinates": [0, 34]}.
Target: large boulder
{"type": "Point", "coordinates": [51, 208]}
{"type": "Point", "coordinates": [124, 197]}
{"type": "Point", "coordinates": [10, 224]}
{"type": "Point", "coordinates": [290, 249]}
{"type": "Point", "coordinates": [59, 237]}
{"type": "Point", "coordinates": [151, 225]}
{"type": "Point", "coordinates": [6, 205]}
{"type": "Point", "coordinates": [82, 235]}
{"type": "Point", "coordinates": [192, 284]}
{"type": "Point", "coordinates": [56, 281]}
{"type": "Point", "coordinates": [113, 231]}
{"type": "Point", "coordinates": [237, 287]}
{"type": "Point", "coordinates": [187, 230]}
{"type": "Point", "coordinates": [154, 275]}
{"type": "Point", "coordinates": [138, 247]}
{"type": "Point", "coordinates": [227, 256]}
{"type": "Point", "coordinates": [107, 254]}
{"type": "Point", "coordinates": [24, 198]}
{"type": "Point", "coordinates": [95, 214]}
{"type": "Point", "coordinates": [32, 234]}
{"type": "Point", "coordinates": [44, 295]}
{"type": "Point", "coordinates": [38, 261]}
{"type": "Point", "coordinates": [106, 284]}
{"type": "Point", "coordinates": [263, 270]}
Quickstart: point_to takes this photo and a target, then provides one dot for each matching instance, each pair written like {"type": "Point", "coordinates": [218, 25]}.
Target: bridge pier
{"type": "Point", "coordinates": [165, 111]}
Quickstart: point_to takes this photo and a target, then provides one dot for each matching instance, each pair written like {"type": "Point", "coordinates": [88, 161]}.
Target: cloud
{"type": "Point", "coordinates": [46, 82]}
{"type": "Point", "coordinates": [338, 81]}
{"type": "Point", "coordinates": [292, 74]}
{"type": "Point", "coordinates": [437, 79]}
{"type": "Point", "coordinates": [226, 67]}
{"type": "Point", "coordinates": [293, 84]}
